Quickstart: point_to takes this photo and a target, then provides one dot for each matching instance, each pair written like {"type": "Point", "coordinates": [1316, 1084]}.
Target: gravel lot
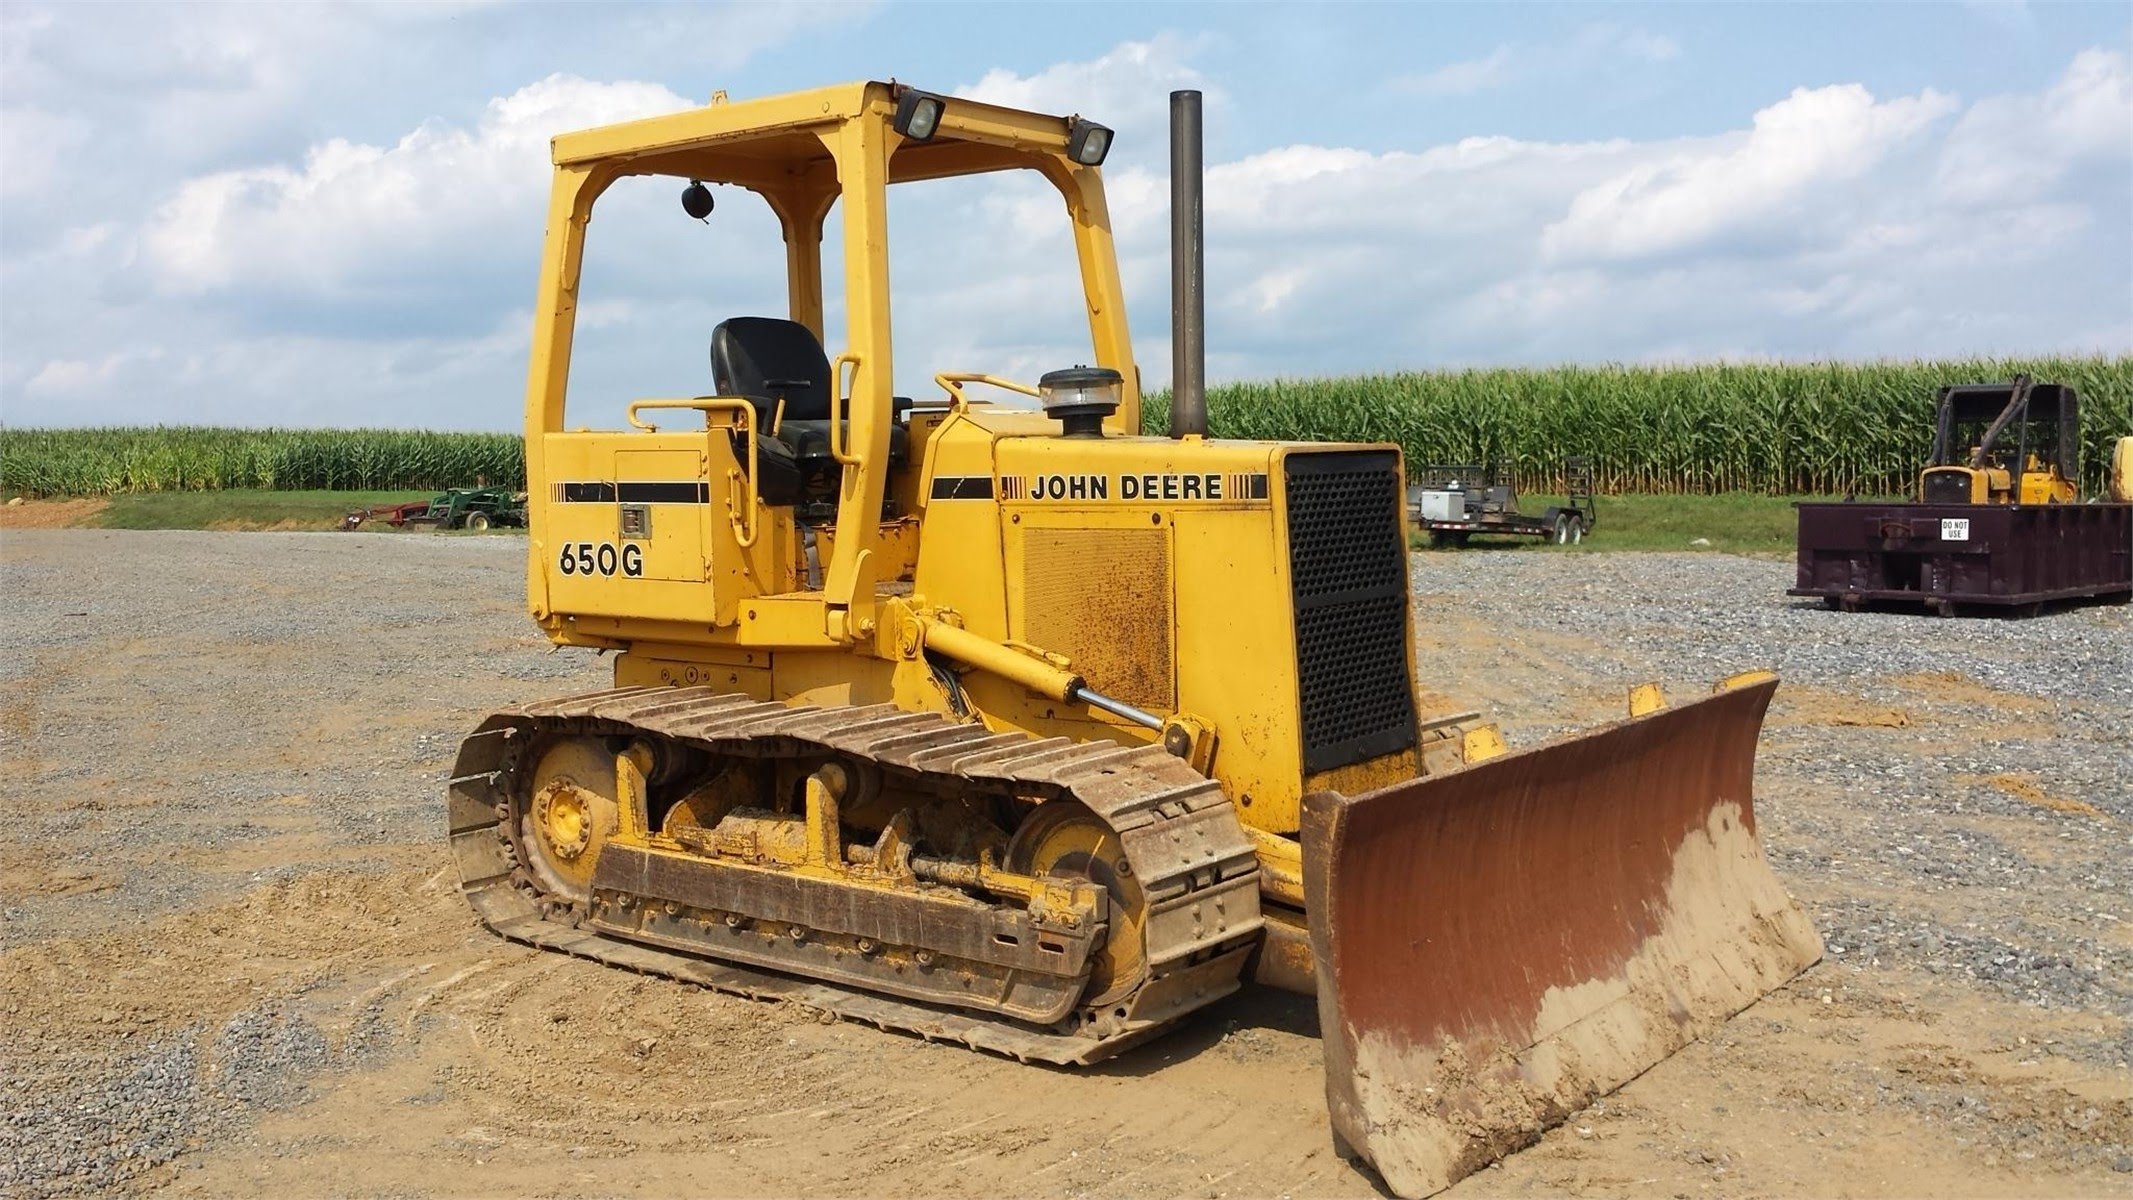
{"type": "Point", "coordinates": [231, 959]}
{"type": "Point", "coordinates": [1933, 744]}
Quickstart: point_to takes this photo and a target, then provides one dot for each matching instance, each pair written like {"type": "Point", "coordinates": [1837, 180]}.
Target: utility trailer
{"type": "Point", "coordinates": [1456, 501]}
{"type": "Point", "coordinates": [1999, 527]}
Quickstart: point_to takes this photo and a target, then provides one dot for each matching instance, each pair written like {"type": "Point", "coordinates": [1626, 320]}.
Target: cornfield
{"type": "Point", "coordinates": [1817, 429]}
{"type": "Point", "coordinates": [94, 462]}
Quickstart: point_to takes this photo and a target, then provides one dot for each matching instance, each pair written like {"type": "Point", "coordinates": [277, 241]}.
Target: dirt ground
{"type": "Point", "coordinates": [233, 962]}
{"type": "Point", "coordinates": [19, 513]}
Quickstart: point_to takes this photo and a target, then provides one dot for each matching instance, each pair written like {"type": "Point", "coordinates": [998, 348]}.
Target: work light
{"type": "Point", "coordinates": [918, 115]}
{"type": "Point", "coordinates": [1088, 142]}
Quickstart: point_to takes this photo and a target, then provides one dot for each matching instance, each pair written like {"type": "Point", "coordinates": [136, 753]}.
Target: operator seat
{"type": "Point", "coordinates": [768, 361]}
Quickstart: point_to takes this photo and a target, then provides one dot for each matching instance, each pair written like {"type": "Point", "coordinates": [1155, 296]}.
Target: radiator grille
{"type": "Point", "coordinates": [1946, 487]}
{"type": "Point", "coordinates": [1348, 574]}
{"type": "Point", "coordinates": [1102, 598]}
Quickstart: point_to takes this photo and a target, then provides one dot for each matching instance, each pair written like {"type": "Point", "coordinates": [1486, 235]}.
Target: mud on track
{"type": "Point", "coordinates": [232, 961]}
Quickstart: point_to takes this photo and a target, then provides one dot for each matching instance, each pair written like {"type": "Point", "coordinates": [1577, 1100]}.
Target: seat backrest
{"type": "Point", "coordinates": [766, 359]}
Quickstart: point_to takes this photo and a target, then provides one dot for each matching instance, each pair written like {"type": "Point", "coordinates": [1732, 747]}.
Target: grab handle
{"type": "Point", "coordinates": [839, 436]}
{"type": "Point", "coordinates": [952, 383]}
{"type": "Point", "coordinates": [744, 530]}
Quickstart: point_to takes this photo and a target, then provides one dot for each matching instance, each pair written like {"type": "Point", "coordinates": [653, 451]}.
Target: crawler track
{"type": "Point", "coordinates": [1195, 867]}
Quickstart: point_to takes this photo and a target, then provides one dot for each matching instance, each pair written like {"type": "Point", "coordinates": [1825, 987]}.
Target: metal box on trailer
{"type": "Point", "coordinates": [1443, 505]}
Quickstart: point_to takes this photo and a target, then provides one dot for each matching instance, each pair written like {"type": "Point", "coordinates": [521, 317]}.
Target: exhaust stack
{"type": "Point", "coordinates": [1188, 276]}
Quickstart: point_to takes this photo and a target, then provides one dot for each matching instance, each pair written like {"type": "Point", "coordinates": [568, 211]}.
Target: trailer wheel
{"type": "Point", "coordinates": [1577, 530]}
{"type": "Point", "coordinates": [478, 521]}
{"type": "Point", "coordinates": [1561, 536]}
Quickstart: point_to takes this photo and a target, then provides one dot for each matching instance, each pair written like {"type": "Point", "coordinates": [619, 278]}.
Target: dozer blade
{"type": "Point", "coordinates": [1498, 945]}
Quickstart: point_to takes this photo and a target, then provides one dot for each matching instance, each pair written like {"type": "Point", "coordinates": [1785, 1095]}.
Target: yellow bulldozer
{"type": "Point", "coordinates": [2004, 444]}
{"type": "Point", "coordinates": [997, 722]}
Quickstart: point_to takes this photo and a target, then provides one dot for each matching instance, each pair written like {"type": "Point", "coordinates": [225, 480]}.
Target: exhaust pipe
{"type": "Point", "coordinates": [1188, 276]}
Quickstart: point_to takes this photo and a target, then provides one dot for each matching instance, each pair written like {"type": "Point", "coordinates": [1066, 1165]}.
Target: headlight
{"type": "Point", "coordinates": [1088, 142]}
{"type": "Point", "coordinates": [918, 115]}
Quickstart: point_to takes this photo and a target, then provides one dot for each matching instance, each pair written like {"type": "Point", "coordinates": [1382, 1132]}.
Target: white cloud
{"type": "Point", "coordinates": [356, 214]}
{"type": "Point", "coordinates": [1465, 77]}
{"type": "Point", "coordinates": [1817, 230]}
{"type": "Point", "coordinates": [386, 273]}
{"type": "Point", "coordinates": [1599, 45]}
{"type": "Point", "coordinates": [2007, 147]}
{"type": "Point", "coordinates": [63, 378]}
{"type": "Point", "coordinates": [2013, 16]}
{"type": "Point", "coordinates": [1127, 89]}
{"type": "Point", "coordinates": [1645, 46]}
{"type": "Point", "coordinates": [33, 145]}
{"type": "Point", "coordinates": [1811, 138]}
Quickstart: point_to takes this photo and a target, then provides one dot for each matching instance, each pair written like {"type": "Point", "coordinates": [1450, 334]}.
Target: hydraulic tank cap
{"type": "Point", "coordinates": [1079, 398]}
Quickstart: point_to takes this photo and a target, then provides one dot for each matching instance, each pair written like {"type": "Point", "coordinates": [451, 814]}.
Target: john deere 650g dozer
{"type": "Point", "coordinates": [1009, 726]}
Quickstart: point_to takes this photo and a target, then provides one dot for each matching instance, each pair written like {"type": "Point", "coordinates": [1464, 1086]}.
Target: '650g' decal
{"type": "Point", "coordinates": [601, 558]}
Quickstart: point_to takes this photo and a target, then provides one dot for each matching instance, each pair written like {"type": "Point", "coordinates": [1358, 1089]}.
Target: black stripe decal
{"type": "Point", "coordinates": [962, 487]}
{"type": "Point", "coordinates": [640, 492]}
{"type": "Point", "coordinates": [664, 493]}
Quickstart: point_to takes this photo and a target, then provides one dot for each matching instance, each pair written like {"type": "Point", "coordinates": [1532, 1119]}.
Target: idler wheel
{"type": "Point", "coordinates": [567, 815]}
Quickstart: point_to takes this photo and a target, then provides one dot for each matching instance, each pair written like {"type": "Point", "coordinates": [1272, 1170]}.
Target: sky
{"type": "Point", "coordinates": [331, 215]}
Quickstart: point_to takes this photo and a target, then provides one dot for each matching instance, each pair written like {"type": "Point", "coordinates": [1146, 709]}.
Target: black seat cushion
{"type": "Point", "coordinates": [765, 359]}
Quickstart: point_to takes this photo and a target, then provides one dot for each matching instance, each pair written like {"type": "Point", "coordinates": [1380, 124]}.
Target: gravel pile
{"type": "Point", "coordinates": [77, 1126]}
{"type": "Point", "coordinates": [84, 1124]}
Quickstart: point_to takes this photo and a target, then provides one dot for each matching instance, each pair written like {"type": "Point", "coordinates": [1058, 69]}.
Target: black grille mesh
{"type": "Point", "coordinates": [1348, 572]}
{"type": "Point", "coordinates": [1947, 487]}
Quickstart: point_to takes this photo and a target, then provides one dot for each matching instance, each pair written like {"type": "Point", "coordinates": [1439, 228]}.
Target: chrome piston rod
{"type": "Point", "coordinates": [1117, 708]}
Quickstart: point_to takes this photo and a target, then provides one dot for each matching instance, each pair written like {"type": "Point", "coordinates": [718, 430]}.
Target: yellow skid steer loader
{"type": "Point", "coordinates": [1001, 723]}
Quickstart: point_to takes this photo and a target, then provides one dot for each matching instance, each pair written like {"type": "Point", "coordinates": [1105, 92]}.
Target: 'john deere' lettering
{"type": "Point", "coordinates": [1171, 486]}
{"type": "Point", "coordinates": [1185, 486]}
{"type": "Point", "coordinates": [1070, 487]}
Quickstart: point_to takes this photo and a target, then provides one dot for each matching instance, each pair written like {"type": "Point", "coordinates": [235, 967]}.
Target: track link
{"type": "Point", "coordinates": [1196, 868]}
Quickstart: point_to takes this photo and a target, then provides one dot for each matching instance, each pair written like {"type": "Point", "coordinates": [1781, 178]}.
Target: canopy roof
{"type": "Point", "coordinates": [1986, 401]}
{"type": "Point", "coordinates": [777, 141]}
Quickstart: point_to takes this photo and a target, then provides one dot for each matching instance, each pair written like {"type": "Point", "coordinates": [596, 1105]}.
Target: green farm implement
{"type": "Point", "coordinates": [454, 508]}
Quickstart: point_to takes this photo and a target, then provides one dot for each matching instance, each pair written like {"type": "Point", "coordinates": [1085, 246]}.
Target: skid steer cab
{"type": "Point", "coordinates": [982, 716]}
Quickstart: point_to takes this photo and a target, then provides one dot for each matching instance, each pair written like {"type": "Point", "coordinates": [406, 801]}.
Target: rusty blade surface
{"type": "Point", "coordinates": [1498, 945]}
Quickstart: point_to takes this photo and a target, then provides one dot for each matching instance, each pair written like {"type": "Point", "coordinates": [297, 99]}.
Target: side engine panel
{"type": "Point", "coordinates": [639, 528]}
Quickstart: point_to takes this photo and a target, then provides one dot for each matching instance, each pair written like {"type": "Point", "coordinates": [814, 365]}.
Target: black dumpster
{"type": "Point", "coordinates": [2001, 558]}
